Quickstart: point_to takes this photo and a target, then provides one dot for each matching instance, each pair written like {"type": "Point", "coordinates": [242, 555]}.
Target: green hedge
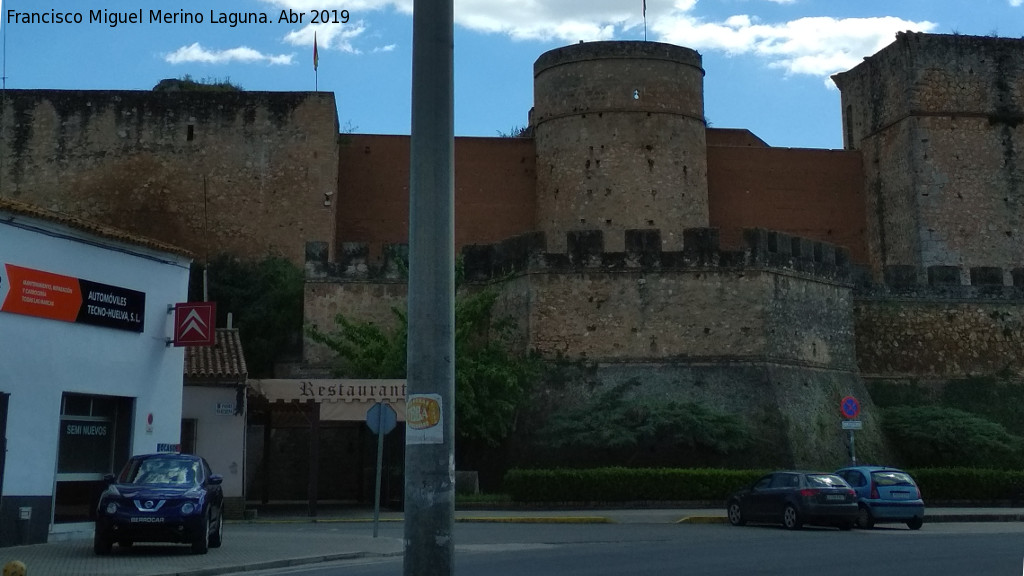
{"type": "Point", "coordinates": [675, 484]}
{"type": "Point", "coordinates": [624, 484]}
{"type": "Point", "coordinates": [977, 484]}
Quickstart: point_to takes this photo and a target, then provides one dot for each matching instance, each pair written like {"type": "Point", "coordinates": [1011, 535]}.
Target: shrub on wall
{"type": "Point", "coordinates": [936, 436]}
{"type": "Point", "coordinates": [616, 421]}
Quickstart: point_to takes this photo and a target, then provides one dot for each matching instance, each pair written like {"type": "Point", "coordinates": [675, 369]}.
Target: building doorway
{"type": "Point", "coordinates": [95, 436]}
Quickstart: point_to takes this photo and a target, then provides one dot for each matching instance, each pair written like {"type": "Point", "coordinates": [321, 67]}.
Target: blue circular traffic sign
{"type": "Point", "coordinates": [849, 406]}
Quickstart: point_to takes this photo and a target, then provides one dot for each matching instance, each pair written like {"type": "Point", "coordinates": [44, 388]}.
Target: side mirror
{"type": "Point", "coordinates": [215, 479]}
{"type": "Point", "coordinates": [108, 479]}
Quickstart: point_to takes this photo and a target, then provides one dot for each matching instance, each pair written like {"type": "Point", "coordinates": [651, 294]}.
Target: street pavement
{"type": "Point", "coordinates": [277, 540]}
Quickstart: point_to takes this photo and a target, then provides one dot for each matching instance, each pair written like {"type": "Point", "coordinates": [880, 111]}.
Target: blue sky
{"type": "Point", "coordinates": [767, 62]}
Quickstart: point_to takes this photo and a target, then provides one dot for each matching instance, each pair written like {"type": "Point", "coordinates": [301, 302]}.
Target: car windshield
{"type": "Point", "coordinates": [825, 481]}
{"type": "Point", "coordinates": [891, 478]}
{"type": "Point", "coordinates": [176, 471]}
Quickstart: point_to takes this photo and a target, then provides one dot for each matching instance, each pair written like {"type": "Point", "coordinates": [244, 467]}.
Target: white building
{"type": "Point", "coordinates": [87, 377]}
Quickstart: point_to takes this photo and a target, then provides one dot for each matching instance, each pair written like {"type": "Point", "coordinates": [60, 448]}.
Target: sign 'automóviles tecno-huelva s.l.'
{"type": "Point", "coordinates": [47, 295]}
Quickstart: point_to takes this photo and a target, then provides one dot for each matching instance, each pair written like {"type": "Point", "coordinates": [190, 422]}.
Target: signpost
{"type": "Point", "coordinates": [381, 419]}
{"type": "Point", "coordinates": [850, 408]}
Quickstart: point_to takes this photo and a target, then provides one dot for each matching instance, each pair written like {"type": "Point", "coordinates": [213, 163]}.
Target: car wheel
{"type": "Point", "coordinates": [102, 543]}
{"type": "Point", "coordinates": [864, 518]}
{"type": "Point", "coordinates": [915, 523]}
{"type": "Point", "coordinates": [790, 518]}
{"type": "Point", "coordinates": [201, 540]}
{"type": "Point", "coordinates": [218, 535]}
{"type": "Point", "coordinates": [736, 514]}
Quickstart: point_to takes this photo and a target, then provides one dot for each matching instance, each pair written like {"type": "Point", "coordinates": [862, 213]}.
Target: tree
{"type": "Point", "coordinates": [491, 382]}
{"type": "Point", "coordinates": [265, 298]}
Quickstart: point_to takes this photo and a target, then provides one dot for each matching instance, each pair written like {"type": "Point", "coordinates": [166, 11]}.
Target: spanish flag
{"type": "Point", "coordinates": [316, 57]}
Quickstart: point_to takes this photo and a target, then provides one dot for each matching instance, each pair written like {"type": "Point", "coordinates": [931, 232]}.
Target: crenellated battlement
{"type": "Point", "coordinates": [944, 282]}
{"type": "Point", "coordinates": [586, 252]}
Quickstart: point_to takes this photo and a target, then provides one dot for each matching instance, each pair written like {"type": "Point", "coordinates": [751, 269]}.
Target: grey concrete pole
{"type": "Point", "coordinates": [430, 400]}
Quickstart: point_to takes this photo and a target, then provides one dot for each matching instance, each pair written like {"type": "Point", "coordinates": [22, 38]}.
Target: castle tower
{"type": "Point", "coordinates": [940, 122]}
{"type": "Point", "coordinates": [620, 136]}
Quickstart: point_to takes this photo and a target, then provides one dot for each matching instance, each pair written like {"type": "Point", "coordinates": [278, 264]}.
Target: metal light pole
{"type": "Point", "coordinates": [430, 401]}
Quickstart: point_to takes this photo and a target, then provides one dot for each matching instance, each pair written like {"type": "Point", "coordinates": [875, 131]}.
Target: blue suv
{"type": "Point", "coordinates": [885, 495]}
{"type": "Point", "coordinates": [161, 498]}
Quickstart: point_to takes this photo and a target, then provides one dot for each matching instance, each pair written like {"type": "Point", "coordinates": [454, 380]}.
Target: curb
{"type": "Point", "coordinates": [285, 563]}
{"type": "Point", "coordinates": [702, 520]}
{"type": "Point", "coordinates": [537, 520]}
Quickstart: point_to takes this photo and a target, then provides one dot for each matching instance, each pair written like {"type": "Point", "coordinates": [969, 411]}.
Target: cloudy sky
{"type": "Point", "coordinates": [767, 62]}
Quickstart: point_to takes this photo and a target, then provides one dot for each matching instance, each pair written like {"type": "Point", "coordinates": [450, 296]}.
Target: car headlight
{"type": "Point", "coordinates": [188, 508]}
{"type": "Point", "coordinates": [111, 507]}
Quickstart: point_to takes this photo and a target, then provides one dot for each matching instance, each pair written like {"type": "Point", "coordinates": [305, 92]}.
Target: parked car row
{"type": "Point", "coordinates": [859, 496]}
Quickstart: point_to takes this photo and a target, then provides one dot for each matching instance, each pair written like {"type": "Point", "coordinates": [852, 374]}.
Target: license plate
{"type": "Point", "coordinates": [148, 519]}
{"type": "Point", "coordinates": [900, 495]}
{"type": "Point", "coordinates": [835, 497]}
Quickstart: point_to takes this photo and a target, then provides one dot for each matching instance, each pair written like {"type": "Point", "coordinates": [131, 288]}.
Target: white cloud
{"type": "Point", "coordinates": [196, 53]}
{"type": "Point", "coordinates": [813, 45]}
{"type": "Point", "coordinates": [818, 46]}
{"type": "Point", "coordinates": [1016, 3]}
{"type": "Point", "coordinates": [329, 36]}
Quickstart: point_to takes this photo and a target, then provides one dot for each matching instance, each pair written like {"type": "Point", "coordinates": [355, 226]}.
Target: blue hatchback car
{"type": "Point", "coordinates": [885, 495]}
{"type": "Point", "coordinates": [161, 498]}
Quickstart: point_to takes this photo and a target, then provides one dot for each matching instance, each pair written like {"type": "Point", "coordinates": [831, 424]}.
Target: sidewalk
{"type": "Point", "coordinates": [279, 541]}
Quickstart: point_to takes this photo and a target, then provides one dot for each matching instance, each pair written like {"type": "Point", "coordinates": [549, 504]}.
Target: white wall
{"type": "Point", "coordinates": [220, 438]}
{"type": "Point", "coordinates": [42, 358]}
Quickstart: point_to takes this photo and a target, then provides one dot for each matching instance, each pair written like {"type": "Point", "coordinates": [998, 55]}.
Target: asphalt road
{"type": "Point", "coordinates": [951, 549]}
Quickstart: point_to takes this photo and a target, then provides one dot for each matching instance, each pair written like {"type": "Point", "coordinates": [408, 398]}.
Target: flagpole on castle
{"type": "Point", "coordinates": [316, 64]}
{"type": "Point", "coordinates": [645, 20]}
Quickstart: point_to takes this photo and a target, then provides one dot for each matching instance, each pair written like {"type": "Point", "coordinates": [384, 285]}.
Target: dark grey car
{"type": "Point", "coordinates": [794, 498]}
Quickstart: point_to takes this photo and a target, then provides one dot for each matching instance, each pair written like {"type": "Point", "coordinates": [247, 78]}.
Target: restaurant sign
{"type": "Point", "coordinates": [46, 295]}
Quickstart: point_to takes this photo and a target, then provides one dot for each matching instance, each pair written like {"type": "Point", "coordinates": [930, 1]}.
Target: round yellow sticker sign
{"type": "Point", "coordinates": [422, 412]}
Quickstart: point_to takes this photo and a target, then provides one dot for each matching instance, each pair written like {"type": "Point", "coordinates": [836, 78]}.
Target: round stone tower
{"type": "Point", "coordinates": [619, 129]}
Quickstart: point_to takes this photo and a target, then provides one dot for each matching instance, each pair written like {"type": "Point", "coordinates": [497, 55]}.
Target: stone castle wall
{"type": "Point", "coordinates": [620, 136]}
{"type": "Point", "coordinates": [940, 121]}
{"type": "Point", "coordinates": [939, 327]}
{"type": "Point", "coordinates": [249, 173]}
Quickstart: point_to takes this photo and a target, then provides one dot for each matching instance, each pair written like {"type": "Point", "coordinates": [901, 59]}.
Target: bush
{"type": "Point", "coordinates": [935, 436]}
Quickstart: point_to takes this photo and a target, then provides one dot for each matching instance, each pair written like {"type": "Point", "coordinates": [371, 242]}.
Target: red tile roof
{"type": "Point", "coordinates": [23, 209]}
{"type": "Point", "coordinates": [220, 364]}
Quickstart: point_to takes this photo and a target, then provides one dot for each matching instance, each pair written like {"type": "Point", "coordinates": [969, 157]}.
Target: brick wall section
{"type": "Point", "coordinates": [620, 139]}
{"type": "Point", "coordinates": [494, 190]}
{"type": "Point", "coordinates": [817, 194]}
{"type": "Point", "coordinates": [239, 172]}
{"type": "Point", "coordinates": [940, 120]}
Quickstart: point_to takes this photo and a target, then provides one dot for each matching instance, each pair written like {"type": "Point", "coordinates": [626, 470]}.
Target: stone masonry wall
{"type": "Point", "coordinates": [940, 119]}
{"type": "Point", "coordinates": [621, 143]}
{"type": "Point", "coordinates": [249, 173]}
{"type": "Point", "coordinates": [942, 329]}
